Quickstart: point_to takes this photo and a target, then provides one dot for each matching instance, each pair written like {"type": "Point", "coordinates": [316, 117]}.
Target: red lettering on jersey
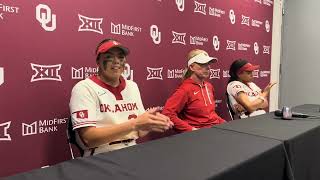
{"type": "Point", "coordinates": [124, 107]}
{"type": "Point", "coordinates": [105, 108]}
{"type": "Point", "coordinates": [132, 116]}
{"type": "Point", "coordinates": [83, 114]}
{"type": "Point", "coordinates": [134, 106]}
{"type": "Point", "coordinates": [129, 106]}
{"type": "Point", "coordinates": [236, 86]}
{"type": "Point", "coordinates": [117, 108]}
{"type": "Point", "coordinates": [252, 94]}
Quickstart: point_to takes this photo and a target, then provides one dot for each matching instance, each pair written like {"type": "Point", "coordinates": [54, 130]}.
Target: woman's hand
{"type": "Point", "coordinates": [267, 89]}
{"type": "Point", "coordinates": [152, 120]}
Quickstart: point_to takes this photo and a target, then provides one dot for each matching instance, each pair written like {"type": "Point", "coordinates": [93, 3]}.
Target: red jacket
{"type": "Point", "coordinates": [192, 105]}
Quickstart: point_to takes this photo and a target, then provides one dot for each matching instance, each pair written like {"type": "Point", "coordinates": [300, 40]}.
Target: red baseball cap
{"type": "Point", "coordinates": [112, 44]}
{"type": "Point", "coordinates": [248, 67]}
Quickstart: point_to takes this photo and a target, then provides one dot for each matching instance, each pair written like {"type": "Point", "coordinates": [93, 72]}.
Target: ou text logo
{"type": "Point", "coordinates": [256, 48]}
{"type": "Point", "coordinates": [232, 16]}
{"type": "Point", "coordinates": [267, 26]}
{"type": "Point", "coordinates": [128, 72]}
{"type": "Point", "coordinates": [46, 17]}
{"type": "Point", "coordinates": [1, 76]}
{"type": "Point", "coordinates": [155, 34]}
{"type": "Point", "coordinates": [46, 72]}
{"type": "Point", "coordinates": [216, 43]}
{"type": "Point", "coordinates": [180, 5]}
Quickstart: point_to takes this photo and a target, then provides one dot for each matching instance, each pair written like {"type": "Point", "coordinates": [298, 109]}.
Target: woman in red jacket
{"type": "Point", "coordinates": [192, 105]}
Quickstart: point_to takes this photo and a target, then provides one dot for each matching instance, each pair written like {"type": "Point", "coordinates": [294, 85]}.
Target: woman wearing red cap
{"type": "Point", "coordinates": [244, 96]}
{"type": "Point", "coordinates": [192, 105]}
{"type": "Point", "coordinates": [106, 110]}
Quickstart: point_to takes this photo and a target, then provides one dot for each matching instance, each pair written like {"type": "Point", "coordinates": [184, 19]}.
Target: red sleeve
{"type": "Point", "coordinates": [173, 107]}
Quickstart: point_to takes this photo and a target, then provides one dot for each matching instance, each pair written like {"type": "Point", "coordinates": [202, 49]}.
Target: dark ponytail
{"type": "Point", "coordinates": [235, 66]}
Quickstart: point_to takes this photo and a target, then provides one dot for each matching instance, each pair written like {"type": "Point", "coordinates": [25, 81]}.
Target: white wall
{"type": "Point", "coordinates": [276, 54]}
{"type": "Point", "coordinates": [300, 53]}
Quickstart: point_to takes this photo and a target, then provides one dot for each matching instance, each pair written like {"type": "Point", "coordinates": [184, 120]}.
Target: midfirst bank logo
{"type": "Point", "coordinates": [1, 76]}
{"type": "Point", "coordinates": [180, 5]}
{"type": "Point", "coordinates": [90, 24]}
{"type": "Point", "coordinates": [155, 34]}
{"type": "Point", "coordinates": [178, 38]}
{"type": "Point", "coordinates": [256, 23]}
{"type": "Point", "coordinates": [216, 12]}
{"type": "Point", "coordinates": [198, 40]}
{"type": "Point", "coordinates": [45, 17]}
{"type": "Point", "coordinates": [225, 74]}
{"type": "Point", "coordinates": [176, 73]}
{"type": "Point", "coordinates": [124, 29]}
{"type": "Point", "coordinates": [83, 72]}
{"type": "Point", "coordinates": [4, 135]}
{"type": "Point", "coordinates": [243, 46]}
{"type": "Point", "coordinates": [8, 9]}
{"type": "Point", "coordinates": [264, 73]}
{"type": "Point", "coordinates": [46, 72]}
{"type": "Point", "coordinates": [200, 8]}
{"type": "Point", "coordinates": [154, 73]}
{"type": "Point", "coordinates": [42, 126]}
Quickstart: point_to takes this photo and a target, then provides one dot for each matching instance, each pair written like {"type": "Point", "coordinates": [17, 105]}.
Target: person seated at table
{"type": "Point", "coordinates": [192, 105]}
{"type": "Point", "coordinates": [244, 96]}
{"type": "Point", "coordinates": [106, 110]}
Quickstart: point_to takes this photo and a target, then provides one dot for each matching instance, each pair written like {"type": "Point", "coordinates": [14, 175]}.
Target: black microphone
{"type": "Point", "coordinates": [279, 113]}
{"type": "Point", "coordinates": [286, 113]}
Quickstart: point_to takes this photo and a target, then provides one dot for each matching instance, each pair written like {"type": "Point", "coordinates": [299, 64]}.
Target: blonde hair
{"type": "Point", "coordinates": [191, 54]}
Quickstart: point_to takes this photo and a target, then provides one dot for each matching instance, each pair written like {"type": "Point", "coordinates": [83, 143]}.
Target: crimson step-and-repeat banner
{"type": "Point", "coordinates": [48, 46]}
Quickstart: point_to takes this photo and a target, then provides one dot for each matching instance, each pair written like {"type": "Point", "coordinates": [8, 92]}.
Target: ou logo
{"type": "Point", "coordinates": [46, 17]}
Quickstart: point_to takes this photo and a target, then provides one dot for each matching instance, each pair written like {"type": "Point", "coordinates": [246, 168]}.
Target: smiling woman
{"type": "Point", "coordinates": [192, 105]}
{"type": "Point", "coordinates": [106, 109]}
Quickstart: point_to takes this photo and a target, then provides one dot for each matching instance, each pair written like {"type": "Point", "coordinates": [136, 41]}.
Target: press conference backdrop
{"type": "Point", "coordinates": [48, 46]}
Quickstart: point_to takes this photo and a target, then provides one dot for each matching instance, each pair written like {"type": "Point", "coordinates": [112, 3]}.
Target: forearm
{"type": "Point", "coordinates": [257, 104]}
{"type": "Point", "coordinates": [142, 133]}
{"type": "Point", "coordinates": [95, 136]}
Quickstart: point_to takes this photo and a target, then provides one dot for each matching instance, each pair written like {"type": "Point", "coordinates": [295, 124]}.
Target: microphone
{"type": "Point", "coordinates": [294, 114]}
{"type": "Point", "coordinates": [286, 113]}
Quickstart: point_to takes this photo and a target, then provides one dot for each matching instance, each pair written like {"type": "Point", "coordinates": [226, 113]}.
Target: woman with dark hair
{"type": "Point", "coordinates": [244, 96]}
{"type": "Point", "coordinates": [192, 105]}
{"type": "Point", "coordinates": [106, 110]}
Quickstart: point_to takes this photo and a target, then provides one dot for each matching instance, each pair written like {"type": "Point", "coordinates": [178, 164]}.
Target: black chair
{"type": "Point", "coordinates": [71, 136]}
{"type": "Point", "coordinates": [229, 107]}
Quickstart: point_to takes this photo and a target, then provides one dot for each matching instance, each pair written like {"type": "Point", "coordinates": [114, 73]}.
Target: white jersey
{"type": "Point", "coordinates": [251, 90]}
{"type": "Point", "coordinates": [94, 103]}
